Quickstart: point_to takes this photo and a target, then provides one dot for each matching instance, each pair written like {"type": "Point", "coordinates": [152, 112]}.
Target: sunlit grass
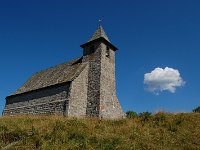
{"type": "Point", "coordinates": [158, 131]}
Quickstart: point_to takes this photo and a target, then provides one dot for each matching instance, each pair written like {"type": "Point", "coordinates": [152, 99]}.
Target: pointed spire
{"type": "Point", "coordinates": [100, 36]}
{"type": "Point", "coordinates": [99, 33]}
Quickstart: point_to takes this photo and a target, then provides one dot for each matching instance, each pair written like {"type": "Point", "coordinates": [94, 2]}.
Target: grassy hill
{"type": "Point", "coordinates": [160, 131]}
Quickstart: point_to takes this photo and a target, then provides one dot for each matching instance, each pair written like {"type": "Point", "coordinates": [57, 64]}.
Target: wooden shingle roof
{"type": "Point", "coordinates": [58, 74]}
{"type": "Point", "coordinates": [99, 33]}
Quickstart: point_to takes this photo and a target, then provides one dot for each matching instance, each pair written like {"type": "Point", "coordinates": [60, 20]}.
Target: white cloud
{"type": "Point", "coordinates": [167, 79]}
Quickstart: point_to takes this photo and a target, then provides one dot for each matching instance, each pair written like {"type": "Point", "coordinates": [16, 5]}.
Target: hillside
{"type": "Point", "coordinates": [160, 131]}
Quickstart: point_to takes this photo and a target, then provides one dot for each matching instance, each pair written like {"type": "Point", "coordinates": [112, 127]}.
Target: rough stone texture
{"type": "Point", "coordinates": [78, 95]}
{"type": "Point", "coordinates": [93, 96]}
{"type": "Point", "coordinates": [52, 100]}
{"type": "Point", "coordinates": [82, 87]}
{"type": "Point", "coordinates": [102, 99]}
{"type": "Point", "coordinates": [109, 104]}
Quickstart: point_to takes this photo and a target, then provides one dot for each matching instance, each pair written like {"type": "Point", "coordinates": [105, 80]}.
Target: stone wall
{"type": "Point", "coordinates": [109, 104]}
{"type": "Point", "coordinates": [93, 92]}
{"type": "Point", "coordinates": [78, 95]}
{"type": "Point", "coordinates": [102, 100]}
{"type": "Point", "coordinates": [51, 100]}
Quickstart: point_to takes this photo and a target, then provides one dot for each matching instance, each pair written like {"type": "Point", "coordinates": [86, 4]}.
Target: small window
{"type": "Point", "coordinates": [107, 51]}
{"type": "Point", "coordinates": [92, 49]}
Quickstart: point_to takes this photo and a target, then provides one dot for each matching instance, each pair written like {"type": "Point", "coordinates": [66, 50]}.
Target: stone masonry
{"type": "Point", "coordinates": [46, 101]}
{"type": "Point", "coordinates": [85, 86]}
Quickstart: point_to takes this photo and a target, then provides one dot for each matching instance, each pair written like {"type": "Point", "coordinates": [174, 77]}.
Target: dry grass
{"type": "Point", "coordinates": [160, 131]}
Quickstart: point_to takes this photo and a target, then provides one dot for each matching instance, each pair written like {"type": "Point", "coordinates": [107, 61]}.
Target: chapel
{"type": "Point", "coordinates": [83, 87]}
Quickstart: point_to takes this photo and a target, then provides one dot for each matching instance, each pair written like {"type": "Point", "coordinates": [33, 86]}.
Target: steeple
{"type": "Point", "coordinates": [99, 33]}
{"type": "Point", "coordinates": [99, 54]}
{"type": "Point", "coordinates": [99, 36]}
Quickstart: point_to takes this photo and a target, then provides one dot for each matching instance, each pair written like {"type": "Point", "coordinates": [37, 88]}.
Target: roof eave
{"type": "Point", "coordinates": [100, 39]}
{"type": "Point", "coordinates": [14, 95]}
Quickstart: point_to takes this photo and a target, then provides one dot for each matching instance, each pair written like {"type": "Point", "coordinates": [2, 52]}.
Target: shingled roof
{"type": "Point", "coordinates": [98, 34]}
{"type": "Point", "coordinates": [58, 74]}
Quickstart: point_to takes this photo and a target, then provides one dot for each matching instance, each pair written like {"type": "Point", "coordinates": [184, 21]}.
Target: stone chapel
{"type": "Point", "coordinates": [81, 87]}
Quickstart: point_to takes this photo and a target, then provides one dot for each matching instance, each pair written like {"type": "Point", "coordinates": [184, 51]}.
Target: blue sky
{"type": "Point", "coordinates": [37, 34]}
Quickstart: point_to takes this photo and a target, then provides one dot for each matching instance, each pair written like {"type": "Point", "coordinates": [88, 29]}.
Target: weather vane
{"type": "Point", "coordinates": [100, 22]}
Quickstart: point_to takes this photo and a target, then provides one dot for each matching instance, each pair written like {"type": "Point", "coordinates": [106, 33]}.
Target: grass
{"type": "Point", "coordinates": [160, 131]}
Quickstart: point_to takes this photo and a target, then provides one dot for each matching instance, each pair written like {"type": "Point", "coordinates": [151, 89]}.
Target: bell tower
{"type": "Point", "coordinates": [99, 53]}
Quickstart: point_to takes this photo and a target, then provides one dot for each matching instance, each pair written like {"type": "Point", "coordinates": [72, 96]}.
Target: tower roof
{"type": "Point", "coordinates": [98, 34]}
